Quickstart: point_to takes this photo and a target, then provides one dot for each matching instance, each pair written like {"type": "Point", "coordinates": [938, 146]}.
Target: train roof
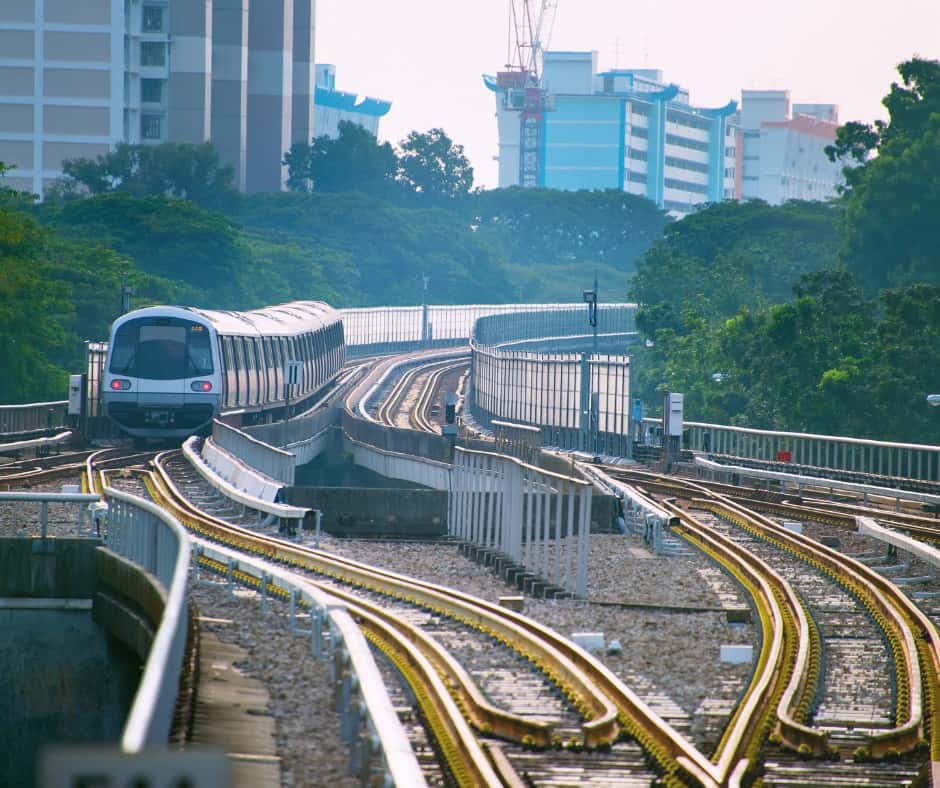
{"type": "Point", "coordinates": [281, 319]}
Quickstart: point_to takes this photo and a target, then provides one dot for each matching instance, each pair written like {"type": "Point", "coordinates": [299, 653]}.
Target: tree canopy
{"type": "Point", "coordinates": [891, 237]}
{"type": "Point", "coordinates": [173, 169]}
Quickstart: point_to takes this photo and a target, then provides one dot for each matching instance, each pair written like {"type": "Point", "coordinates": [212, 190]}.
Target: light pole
{"type": "Point", "coordinates": [590, 298]}
{"type": "Point", "coordinates": [424, 312]}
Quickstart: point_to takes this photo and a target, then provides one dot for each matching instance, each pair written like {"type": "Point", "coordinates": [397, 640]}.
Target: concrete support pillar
{"type": "Point", "coordinates": [189, 94]}
{"type": "Point", "coordinates": [230, 84]}
{"type": "Point", "coordinates": [304, 77]}
{"type": "Point", "coordinates": [270, 92]}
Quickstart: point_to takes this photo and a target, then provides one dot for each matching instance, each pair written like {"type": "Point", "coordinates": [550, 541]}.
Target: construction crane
{"type": "Point", "coordinates": [530, 28]}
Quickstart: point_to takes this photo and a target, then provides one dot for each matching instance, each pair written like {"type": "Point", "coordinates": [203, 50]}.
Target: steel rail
{"type": "Point", "coordinates": [888, 605]}
{"type": "Point", "coordinates": [601, 727]}
{"type": "Point", "coordinates": [419, 417]}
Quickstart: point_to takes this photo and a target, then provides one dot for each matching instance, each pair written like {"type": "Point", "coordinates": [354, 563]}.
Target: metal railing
{"type": "Point", "coordinates": [380, 747]}
{"type": "Point", "coordinates": [558, 321]}
{"type": "Point", "coordinates": [84, 500]}
{"type": "Point", "coordinates": [393, 329]}
{"type": "Point", "coordinates": [16, 420]}
{"type": "Point", "coordinates": [833, 452]}
{"type": "Point", "coordinates": [541, 520]}
{"type": "Point", "coordinates": [275, 463]}
{"type": "Point", "coordinates": [154, 540]}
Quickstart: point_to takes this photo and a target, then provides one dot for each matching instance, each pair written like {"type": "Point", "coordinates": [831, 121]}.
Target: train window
{"type": "Point", "coordinates": [198, 351]}
{"type": "Point", "coordinates": [123, 349]}
{"type": "Point", "coordinates": [161, 352]}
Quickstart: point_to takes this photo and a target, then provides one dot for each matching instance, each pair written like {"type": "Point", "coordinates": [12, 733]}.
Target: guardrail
{"type": "Point", "coordinates": [833, 452]}
{"type": "Point", "coordinates": [541, 520]}
{"type": "Point", "coordinates": [304, 437]}
{"type": "Point", "coordinates": [369, 720]}
{"type": "Point", "coordinates": [579, 401]}
{"type": "Point", "coordinates": [397, 329]}
{"type": "Point", "coordinates": [84, 500]}
{"type": "Point", "coordinates": [31, 417]}
{"type": "Point", "coordinates": [153, 539]}
{"type": "Point", "coordinates": [269, 460]}
{"type": "Point", "coordinates": [239, 483]}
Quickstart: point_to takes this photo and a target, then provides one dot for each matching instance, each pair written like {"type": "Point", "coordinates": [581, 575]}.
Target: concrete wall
{"type": "Point", "coordinates": [47, 568]}
{"type": "Point", "coordinates": [352, 511]}
{"type": "Point", "coordinates": [71, 682]}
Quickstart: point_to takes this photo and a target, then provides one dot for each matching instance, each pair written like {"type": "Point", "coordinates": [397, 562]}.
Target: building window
{"type": "Point", "coordinates": [639, 109]}
{"type": "Point", "coordinates": [608, 84]}
{"type": "Point", "coordinates": [674, 183]}
{"type": "Point", "coordinates": [150, 127]}
{"type": "Point", "coordinates": [153, 19]}
{"type": "Point", "coordinates": [639, 155]}
{"type": "Point", "coordinates": [151, 91]}
{"type": "Point", "coordinates": [685, 142]}
{"type": "Point", "coordinates": [685, 164]}
{"type": "Point", "coordinates": [729, 172]}
{"type": "Point", "coordinates": [639, 132]}
{"type": "Point", "coordinates": [152, 53]}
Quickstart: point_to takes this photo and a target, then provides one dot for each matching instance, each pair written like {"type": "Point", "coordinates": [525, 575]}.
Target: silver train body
{"type": "Point", "coordinates": [170, 370]}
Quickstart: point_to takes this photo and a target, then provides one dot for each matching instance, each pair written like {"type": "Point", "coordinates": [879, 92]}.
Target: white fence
{"type": "Point", "coordinates": [541, 520]}
{"type": "Point", "coordinates": [398, 328]}
{"type": "Point", "coordinates": [151, 538]}
{"type": "Point", "coordinates": [275, 463]}
{"type": "Point", "coordinates": [833, 452]}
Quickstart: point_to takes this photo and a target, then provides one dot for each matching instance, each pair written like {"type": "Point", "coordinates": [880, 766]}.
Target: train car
{"type": "Point", "coordinates": [170, 370]}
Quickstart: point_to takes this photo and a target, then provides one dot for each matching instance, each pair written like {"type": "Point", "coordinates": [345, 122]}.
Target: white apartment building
{"type": "Point", "coordinates": [78, 77]}
{"type": "Point", "coordinates": [782, 150]}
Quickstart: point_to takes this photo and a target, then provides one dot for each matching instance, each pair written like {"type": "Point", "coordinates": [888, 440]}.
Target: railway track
{"type": "Point", "coordinates": [408, 401]}
{"type": "Point", "coordinates": [868, 627]}
{"type": "Point", "coordinates": [533, 688]}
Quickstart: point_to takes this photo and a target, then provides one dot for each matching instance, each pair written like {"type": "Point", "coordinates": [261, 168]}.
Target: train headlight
{"type": "Point", "coordinates": [120, 384]}
{"type": "Point", "coordinates": [202, 386]}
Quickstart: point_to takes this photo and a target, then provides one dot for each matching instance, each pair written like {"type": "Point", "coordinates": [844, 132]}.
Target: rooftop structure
{"type": "Point", "coordinates": [334, 106]}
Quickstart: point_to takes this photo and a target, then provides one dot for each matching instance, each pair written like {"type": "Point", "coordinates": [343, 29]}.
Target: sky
{"type": "Point", "coordinates": [427, 56]}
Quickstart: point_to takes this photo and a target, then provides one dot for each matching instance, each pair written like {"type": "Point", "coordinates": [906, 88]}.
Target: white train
{"type": "Point", "coordinates": [170, 370]}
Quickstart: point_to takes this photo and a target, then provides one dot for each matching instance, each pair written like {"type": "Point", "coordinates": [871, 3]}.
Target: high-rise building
{"type": "Point", "coordinates": [78, 77]}
{"type": "Point", "coordinates": [782, 151]}
{"type": "Point", "coordinates": [622, 129]}
{"type": "Point", "coordinates": [334, 106]}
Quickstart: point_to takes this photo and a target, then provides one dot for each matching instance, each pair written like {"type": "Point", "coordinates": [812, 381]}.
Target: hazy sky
{"type": "Point", "coordinates": [427, 56]}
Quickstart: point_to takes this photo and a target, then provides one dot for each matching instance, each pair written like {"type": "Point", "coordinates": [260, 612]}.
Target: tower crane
{"type": "Point", "coordinates": [530, 28]}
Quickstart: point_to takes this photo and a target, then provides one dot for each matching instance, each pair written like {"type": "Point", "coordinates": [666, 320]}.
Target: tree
{"type": "Point", "coordinates": [433, 166]}
{"type": "Point", "coordinates": [173, 169]}
{"type": "Point", "coordinates": [732, 255]}
{"type": "Point", "coordinates": [353, 162]}
{"type": "Point", "coordinates": [890, 234]}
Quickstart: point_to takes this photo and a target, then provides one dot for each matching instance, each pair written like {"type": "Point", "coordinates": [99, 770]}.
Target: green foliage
{"type": "Point", "coordinates": [353, 162]}
{"type": "Point", "coordinates": [553, 227]}
{"type": "Point", "coordinates": [430, 164]}
{"type": "Point", "coordinates": [731, 255]}
{"type": "Point", "coordinates": [891, 236]}
{"type": "Point", "coordinates": [380, 251]}
{"type": "Point", "coordinates": [34, 309]}
{"type": "Point", "coordinates": [174, 169]}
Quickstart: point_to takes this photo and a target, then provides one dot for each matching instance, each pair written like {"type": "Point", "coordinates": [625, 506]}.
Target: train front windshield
{"type": "Point", "coordinates": [161, 348]}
